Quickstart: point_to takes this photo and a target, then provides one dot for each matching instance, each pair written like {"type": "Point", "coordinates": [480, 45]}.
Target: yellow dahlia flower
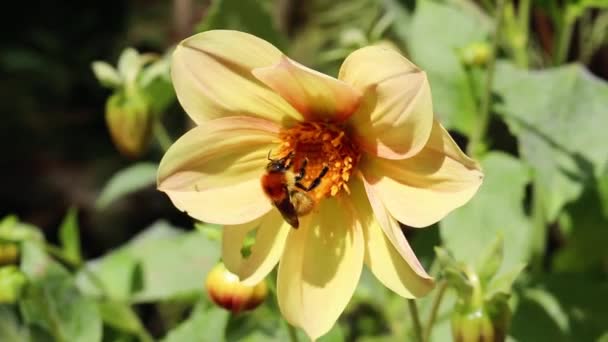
{"type": "Point", "coordinates": [362, 151]}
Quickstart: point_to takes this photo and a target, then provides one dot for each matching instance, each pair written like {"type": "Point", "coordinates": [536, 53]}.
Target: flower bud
{"type": "Point", "coordinates": [9, 253]}
{"type": "Point", "coordinates": [12, 282]}
{"type": "Point", "coordinates": [227, 291]}
{"type": "Point", "coordinates": [476, 54]}
{"type": "Point", "coordinates": [129, 121]}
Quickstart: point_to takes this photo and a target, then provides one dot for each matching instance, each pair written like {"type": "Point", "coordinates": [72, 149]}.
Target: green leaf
{"type": "Point", "coordinates": [117, 275]}
{"type": "Point", "coordinates": [249, 16]}
{"type": "Point", "coordinates": [52, 302]}
{"type": "Point", "coordinates": [10, 328]}
{"type": "Point", "coordinates": [561, 308]}
{"type": "Point", "coordinates": [205, 324]}
{"type": "Point", "coordinates": [503, 283]}
{"type": "Point", "coordinates": [491, 260]}
{"type": "Point", "coordinates": [437, 34]}
{"type": "Point", "coordinates": [127, 181]}
{"type": "Point", "coordinates": [69, 236]}
{"type": "Point", "coordinates": [495, 210]}
{"type": "Point", "coordinates": [156, 86]}
{"type": "Point", "coordinates": [13, 230]}
{"type": "Point", "coordinates": [548, 111]}
{"type": "Point", "coordinates": [161, 263]}
{"type": "Point", "coordinates": [120, 316]}
{"type": "Point", "coordinates": [106, 74]}
{"type": "Point", "coordinates": [584, 228]}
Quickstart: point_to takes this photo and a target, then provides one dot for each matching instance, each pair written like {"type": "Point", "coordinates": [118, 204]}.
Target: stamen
{"type": "Point", "coordinates": [323, 145]}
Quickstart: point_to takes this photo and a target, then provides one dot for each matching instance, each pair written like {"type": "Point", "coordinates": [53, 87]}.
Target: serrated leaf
{"type": "Point", "coordinates": [69, 235]}
{"type": "Point", "coordinates": [205, 324]}
{"type": "Point", "coordinates": [120, 316]}
{"type": "Point", "coordinates": [52, 302]}
{"type": "Point", "coordinates": [496, 209]}
{"type": "Point", "coordinates": [548, 110]}
{"type": "Point", "coordinates": [127, 181]}
{"type": "Point", "coordinates": [106, 74]}
{"type": "Point", "coordinates": [436, 35]}
{"type": "Point", "coordinates": [10, 328]}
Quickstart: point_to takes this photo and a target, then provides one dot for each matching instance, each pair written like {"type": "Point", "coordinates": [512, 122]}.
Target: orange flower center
{"type": "Point", "coordinates": [322, 154]}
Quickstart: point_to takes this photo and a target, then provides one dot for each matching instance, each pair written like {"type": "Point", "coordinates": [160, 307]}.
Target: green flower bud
{"type": "Point", "coordinates": [12, 282]}
{"type": "Point", "coordinates": [129, 121]}
{"type": "Point", "coordinates": [476, 54]}
{"type": "Point", "coordinates": [9, 253]}
{"type": "Point", "coordinates": [225, 289]}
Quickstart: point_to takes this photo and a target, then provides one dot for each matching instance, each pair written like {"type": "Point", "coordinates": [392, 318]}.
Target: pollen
{"type": "Point", "coordinates": [319, 145]}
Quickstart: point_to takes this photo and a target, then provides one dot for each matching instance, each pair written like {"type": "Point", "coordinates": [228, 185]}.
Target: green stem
{"type": "Point", "coordinates": [539, 227]}
{"type": "Point", "coordinates": [478, 136]}
{"type": "Point", "coordinates": [293, 336]}
{"type": "Point", "coordinates": [161, 135]}
{"type": "Point", "coordinates": [523, 17]}
{"type": "Point", "coordinates": [415, 319]}
{"type": "Point", "coordinates": [434, 310]}
{"type": "Point", "coordinates": [564, 38]}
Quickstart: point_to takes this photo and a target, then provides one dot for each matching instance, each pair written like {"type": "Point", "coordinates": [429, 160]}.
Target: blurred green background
{"type": "Point", "coordinates": [545, 156]}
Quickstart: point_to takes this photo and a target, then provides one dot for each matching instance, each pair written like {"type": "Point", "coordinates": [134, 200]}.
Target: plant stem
{"type": "Point", "coordinates": [415, 319]}
{"type": "Point", "coordinates": [539, 227]}
{"type": "Point", "coordinates": [523, 18]}
{"type": "Point", "coordinates": [434, 310]}
{"type": "Point", "coordinates": [161, 135]}
{"type": "Point", "coordinates": [564, 38]}
{"type": "Point", "coordinates": [479, 133]}
{"type": "Point", "coordinates": [293, 336]}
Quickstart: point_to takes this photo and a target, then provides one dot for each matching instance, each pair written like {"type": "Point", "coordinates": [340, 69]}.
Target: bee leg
{"type": "Point", "coordinates": [302, 171]}
{"type": "Point", "coordinates": [316, 181]}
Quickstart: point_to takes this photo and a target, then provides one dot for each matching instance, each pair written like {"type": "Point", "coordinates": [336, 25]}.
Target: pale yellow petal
{"type": "Point", "coordinates": [315, 95]}
{"type": "Point", "coordinates": [270, 236]}
{"type": "Point", "coordinates": [421, 190]}
{"type": "Point", "coordinates": [320, 268]}
{"type": "Point", "coordinates": [213, 171]}
{"type": "Point", "coordinates": [396, 114]}
{"type": "Point", "coordinates": [387, 253]}
{"type": "Point", "coordinates": [211, 73]}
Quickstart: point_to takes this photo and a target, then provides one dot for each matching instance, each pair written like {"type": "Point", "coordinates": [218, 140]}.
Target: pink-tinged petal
{"type": "Point", "coordinates": [387, 253]}
{"type": "Point", "coordinates": [395, 118]}
{"type": "Point", "coordinates": [270, 237]}
{"type": "Point", "coordinates": [421, 190]}
{"type": "Point", "coordinates": [211, 73]}
{"type": "Point", "coordinates": [213, 171]}
{"type": "Point", "coordinates": [315, 95]}
{"type": "Point", "coordinates": [320, 267]}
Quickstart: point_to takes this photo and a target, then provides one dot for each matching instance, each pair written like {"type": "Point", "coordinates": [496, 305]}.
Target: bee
{"type": "Point", "coordinates": [285, 190]}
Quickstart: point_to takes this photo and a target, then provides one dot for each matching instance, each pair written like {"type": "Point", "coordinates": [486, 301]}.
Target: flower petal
{"type": "Point", "coordinates": [396, 115]}
{"type": "Point", "coordinates": [270, 240]}
{"type": "Point", "coordinates": [213, 171]}
{"type": "Point", "coordinates": [211, 73]}
{"type": "Point", "coordinates": [421, 190]}
{"type": "Point", "coordinates": [315, 95]}
{"type": "Point", "coordinates": [387, 253]}
{"type": "Point", "coordinates": [320, 268]}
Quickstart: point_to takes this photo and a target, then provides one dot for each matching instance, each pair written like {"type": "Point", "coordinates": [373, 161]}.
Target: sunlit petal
{"type": "Point", "coordinates": [421, 190]}
{"type": "Point", "coordinates": [315, 95]}
{"type": "Point", "coordinates": [320, 268]}
{"type": "Point", "coordinates": [387, 253]}
{"type": "Point", "coordinates": [211, 73]}
{"type": "Point", "coordinates": [271, 233]}
{"type": "Point", "coordinates": [213, 171]}
{"type": "Point", "coordinates": [396, 114]}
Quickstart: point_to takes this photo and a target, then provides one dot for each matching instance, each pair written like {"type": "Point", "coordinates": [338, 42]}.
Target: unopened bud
{"type": "Point", "coordinates": [227, 291]}
{"type": "Point", "coordinates": [9, 253]}
{"type": "Point", "coordinates": [130, 123]}
{"type": "Point", "coordinates": [485, 323]}
{"type": "Point", "coordinates": [476, 54]}
{"type": "Point", "coordinates": [11, 284]}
